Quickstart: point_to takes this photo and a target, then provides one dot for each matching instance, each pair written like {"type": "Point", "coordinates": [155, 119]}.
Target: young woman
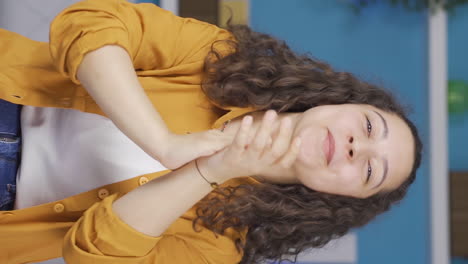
{"type": "Point", "coordinates": [301, 153]}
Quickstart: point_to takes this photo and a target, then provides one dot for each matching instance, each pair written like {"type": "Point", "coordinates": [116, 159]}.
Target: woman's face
{"type": "Point", "coordinates": [353, 150]}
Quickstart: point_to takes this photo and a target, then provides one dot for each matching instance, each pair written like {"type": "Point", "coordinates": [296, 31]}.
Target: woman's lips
{"type": "Point", "coordinates": [329, 146]}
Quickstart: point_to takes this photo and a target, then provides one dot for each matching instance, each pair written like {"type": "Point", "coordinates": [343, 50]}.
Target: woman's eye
{"type": "Point", "coordinates": [369, 127]}
{"type": "Point", "coordinates": [369, 171]}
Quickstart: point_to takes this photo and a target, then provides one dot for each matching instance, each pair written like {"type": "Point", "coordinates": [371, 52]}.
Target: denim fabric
{"type": "Point", "coordinates": [10, 147]}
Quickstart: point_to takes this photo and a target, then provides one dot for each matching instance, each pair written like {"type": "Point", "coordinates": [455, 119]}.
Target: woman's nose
{"type": "Point", "coordinates": [356, 147]}
{"type": "Point", "coordinates": [350, 148]}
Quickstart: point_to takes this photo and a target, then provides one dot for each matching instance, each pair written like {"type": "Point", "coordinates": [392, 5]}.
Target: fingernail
{"type": "Point", "coordinates": [270, 114]}
{"type": "Point", "coordinates": [247, 120]}
{"type": "Point", "coordinates": [298, 142]}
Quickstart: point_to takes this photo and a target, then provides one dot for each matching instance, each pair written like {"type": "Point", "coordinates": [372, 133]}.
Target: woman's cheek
{"type": "Point", "coordinates": [349, 176]}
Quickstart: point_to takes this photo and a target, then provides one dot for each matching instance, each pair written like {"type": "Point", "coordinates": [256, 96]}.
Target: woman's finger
{"type": "Point", "coordinates": [282, 140]}
{"type": "Point", "coordinates": [263, 133]}
{"type": "Point", "coordinates": [290, 157]}
{"type": "Point", "coordinates": [269, 142]}
{"type": "Point", "coordinates": [241, 138]}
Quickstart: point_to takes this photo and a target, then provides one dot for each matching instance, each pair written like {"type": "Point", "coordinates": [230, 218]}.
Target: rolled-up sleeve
{"type": "Point", "coordinates": [99, 236]}
{"type": "Point", "coordinates": [153, 37]}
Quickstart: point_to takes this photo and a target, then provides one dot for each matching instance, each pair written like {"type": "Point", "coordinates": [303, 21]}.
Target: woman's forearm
{"type": "Point", "coordinates": [153, 207]}
{"type": "Point", "coordinates": [109, 77]}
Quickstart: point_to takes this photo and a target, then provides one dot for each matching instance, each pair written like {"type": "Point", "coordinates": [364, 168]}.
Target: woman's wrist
{"type": "Point", "coordinates": [163, 146]}
{"type": "Point", "coordinates": [213, 171]}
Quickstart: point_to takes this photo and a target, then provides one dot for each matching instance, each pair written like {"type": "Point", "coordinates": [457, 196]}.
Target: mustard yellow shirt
{"type": "Point", "coordinates": [168, 54]}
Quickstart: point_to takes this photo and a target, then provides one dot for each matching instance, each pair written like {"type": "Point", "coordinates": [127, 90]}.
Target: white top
{"type": "Point", "coordinates": [67, 152]}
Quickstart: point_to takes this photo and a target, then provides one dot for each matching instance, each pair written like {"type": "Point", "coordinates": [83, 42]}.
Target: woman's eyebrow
{"type": "Point", "coordinates": [385, 133]}
{"type": "Point", "coordinates": [384, 160]}
{"type": "Point", "coordinates": [385, 172]}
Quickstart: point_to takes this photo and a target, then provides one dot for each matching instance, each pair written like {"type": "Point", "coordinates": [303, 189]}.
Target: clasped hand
{"type": "Point", "coordinates": [179, 150]}
{"type": "Point", "coordinates": [266, 150]}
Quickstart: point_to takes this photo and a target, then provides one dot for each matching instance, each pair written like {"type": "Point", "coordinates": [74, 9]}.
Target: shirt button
{"type": "Point", "coordinates": [103, 193]}
{"type": "Point", "coordinates": [4, 215]}
{"type": "Point", "coordinates": [58, 208]}
{"type": "Point", "coordinates": [143, 180]}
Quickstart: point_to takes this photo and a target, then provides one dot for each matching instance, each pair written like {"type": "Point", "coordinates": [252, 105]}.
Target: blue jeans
{"type": "Point", "coordinates": [10, 148]}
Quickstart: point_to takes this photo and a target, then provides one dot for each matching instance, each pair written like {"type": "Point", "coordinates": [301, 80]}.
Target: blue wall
{"type": "Point", "coordinates": [384, 45]}
{"type": "Point", "coordinates": [156, 2]}
{"type": "Point", "coordinates": [458, 69]}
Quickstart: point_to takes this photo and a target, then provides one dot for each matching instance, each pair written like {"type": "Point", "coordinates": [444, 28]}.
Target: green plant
{"type": "Point", "coordinates": [457, 96]}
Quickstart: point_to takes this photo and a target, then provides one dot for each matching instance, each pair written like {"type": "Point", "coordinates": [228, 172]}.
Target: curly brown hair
{"type": "Point", "coordinates": [286, 219]}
